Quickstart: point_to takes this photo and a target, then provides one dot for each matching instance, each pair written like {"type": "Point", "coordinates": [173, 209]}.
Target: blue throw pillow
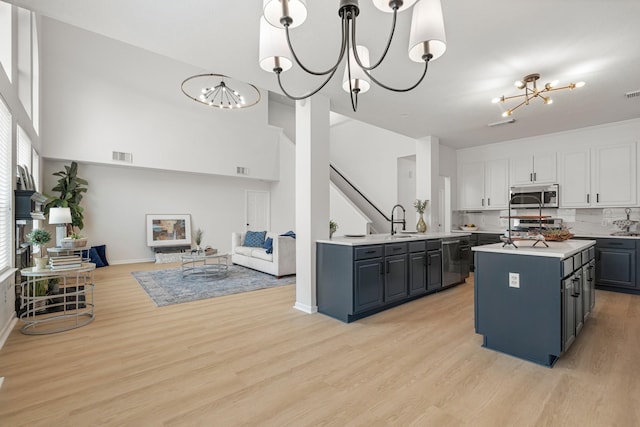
{"type": "Point", "coordinates": [100, 249]}
{"type": "Point", "coordinates": [254, 239]}
{"type": "Point", "coordinates": [95, 258]}
{"type": "Point", "coordinates": [268, 245]}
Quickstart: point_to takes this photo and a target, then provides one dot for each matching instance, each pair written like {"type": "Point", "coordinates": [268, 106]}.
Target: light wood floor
{"type": "Point", "coordinates": [253, 360]}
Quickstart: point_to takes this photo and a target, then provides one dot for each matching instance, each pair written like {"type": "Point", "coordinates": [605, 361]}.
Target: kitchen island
{"type": "Point", "coordinates": [358, 276]}
{"type": "Point", "coordinates": [531, 302]}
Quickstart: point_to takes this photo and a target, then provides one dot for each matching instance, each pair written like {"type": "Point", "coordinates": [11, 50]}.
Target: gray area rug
{"type": "Point", "coordinates": [166, 287]}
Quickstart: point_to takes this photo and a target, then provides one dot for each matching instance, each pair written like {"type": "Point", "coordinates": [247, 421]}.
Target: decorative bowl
{"type": "Point", "coordinates": [468, 228]}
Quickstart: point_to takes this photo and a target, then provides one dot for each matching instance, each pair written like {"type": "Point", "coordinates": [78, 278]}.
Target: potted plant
{"type": "Point", "coordinates": [40, 237]}
{"type": "Point", "coordinates": [198, 239]}
{"type": "Point", "coordinates": [71, 189]}
{"type": "Point", "coordinates": [420, 206]}
{"type": "Point", "coordinates": [333, 226]}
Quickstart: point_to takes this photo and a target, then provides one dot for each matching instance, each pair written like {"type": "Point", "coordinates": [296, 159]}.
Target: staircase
{"type": "Point", "coordinates": [380, 223]}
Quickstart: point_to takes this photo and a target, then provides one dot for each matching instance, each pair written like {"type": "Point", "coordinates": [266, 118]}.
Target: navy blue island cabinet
{"type": "Point", "coordinates": [357, 277]}
{"type": "Point", "coordinates": [531, 302]}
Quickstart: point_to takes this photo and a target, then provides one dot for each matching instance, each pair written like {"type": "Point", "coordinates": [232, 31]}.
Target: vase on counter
{"type": "Point", "coordinates": [421, 226]}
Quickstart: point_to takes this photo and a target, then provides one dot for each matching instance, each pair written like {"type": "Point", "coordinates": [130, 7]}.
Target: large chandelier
{"type": "Point", "coordinates": [220, 91]}
{"type": "Point", "coordinates": [426, 42]}
{"type": "Point", "coordinates": [531, 91]}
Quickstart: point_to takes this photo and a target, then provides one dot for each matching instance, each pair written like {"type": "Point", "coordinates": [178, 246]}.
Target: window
{"type": "Point", "coordinates": [24, 149]}
{"type": "Point", "coordinates": [5, 38]}
{"type": "Point", "coordinates": [35, 81]}
{"type": "Point", "coordinates": [24, 59]}
{"type": "Point", "coordinates": [6, 179]}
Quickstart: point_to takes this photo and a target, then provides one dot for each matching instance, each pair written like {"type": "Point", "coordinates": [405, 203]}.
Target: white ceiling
{"type": "Point", "coordinates": [490, 44]}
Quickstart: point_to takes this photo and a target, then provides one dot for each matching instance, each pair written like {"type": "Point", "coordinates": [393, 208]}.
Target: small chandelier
{"type": "Point", "coordinates": [531, 92]}
{"type": "Point", "coordinates": [214, 91]}
{"type": "Point", "coordinates": [426, 42]}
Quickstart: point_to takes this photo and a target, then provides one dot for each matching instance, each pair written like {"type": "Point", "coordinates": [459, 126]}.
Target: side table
{"type": "Point", "coordinates": [70, 307]}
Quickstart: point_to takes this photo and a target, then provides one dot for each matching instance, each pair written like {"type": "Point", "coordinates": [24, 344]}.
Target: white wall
{"type": "Point", "coordinates": [349, 218]}
{"type": "Point", "coordinates": [101, 95]}
{"type": "Point", "coordinates": [407, 185]}
{"type": "Point", "coordinates": [367, 156]}
{"type": "Point", "coordinates": [449, 168]}
{"type": "Point", "coordinates": [119, 197]}
{"type": "Point", "coordinates": [283, 192]}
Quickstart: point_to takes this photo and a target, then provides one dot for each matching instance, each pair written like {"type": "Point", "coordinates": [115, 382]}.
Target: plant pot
{"type": "Point", "coordinates": [40, 263]}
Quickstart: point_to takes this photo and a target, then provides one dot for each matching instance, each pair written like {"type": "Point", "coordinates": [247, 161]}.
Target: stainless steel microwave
{"type": "Point", "coordinates": [546, 196]}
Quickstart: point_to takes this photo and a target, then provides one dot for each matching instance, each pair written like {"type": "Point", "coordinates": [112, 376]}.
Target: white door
{"type": "Point", "coordinates": [257, 210]}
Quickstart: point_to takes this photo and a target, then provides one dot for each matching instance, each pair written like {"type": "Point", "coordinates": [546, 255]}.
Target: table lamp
{"type": "Point", "coordinates": [61, 217]}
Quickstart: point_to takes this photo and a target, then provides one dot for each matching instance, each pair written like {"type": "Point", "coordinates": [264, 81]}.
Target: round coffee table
{"type": "Point", "coordinates": [201, 264]}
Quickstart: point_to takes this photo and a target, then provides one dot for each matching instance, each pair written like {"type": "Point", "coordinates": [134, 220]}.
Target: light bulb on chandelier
{"type": "Point", "coordinates": [426, 42]}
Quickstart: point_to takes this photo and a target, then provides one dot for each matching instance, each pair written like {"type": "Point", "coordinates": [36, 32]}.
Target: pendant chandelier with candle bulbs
{"type": "Point", "coordinates": [426, 42]}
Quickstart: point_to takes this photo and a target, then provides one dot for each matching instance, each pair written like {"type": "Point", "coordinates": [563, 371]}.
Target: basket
{"type": "Point", "coordinates": [68, 243]}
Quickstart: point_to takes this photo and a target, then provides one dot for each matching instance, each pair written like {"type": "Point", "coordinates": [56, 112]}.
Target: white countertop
{"type": "Point", "coordinates": [581, 235]}
{"type": "Point", "coordinates": [372, 239]}
{"type": "Point", "coordinates": [525, 247]}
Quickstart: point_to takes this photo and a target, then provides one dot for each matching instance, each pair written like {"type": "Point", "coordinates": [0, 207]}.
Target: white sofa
{"type": "Point", "coordinates": [282, 262]}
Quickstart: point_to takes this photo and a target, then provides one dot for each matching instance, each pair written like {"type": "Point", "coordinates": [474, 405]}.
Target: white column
{"type": "Point", "coordinates": [427, 178]}
{"type": "Point", "coordinates": [312, 194]}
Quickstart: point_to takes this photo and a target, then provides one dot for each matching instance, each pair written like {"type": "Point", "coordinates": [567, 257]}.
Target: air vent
{"type": "Point", "coordinates": [240, 170]}
{"type": "Point", "coordinates": [633, 94]}
{"type": "Point", "coordinates": [119, 156]}
{"type": "Point", "coordinates": [504, 122]}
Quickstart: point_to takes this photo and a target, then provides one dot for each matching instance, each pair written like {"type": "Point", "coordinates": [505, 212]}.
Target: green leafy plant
{"type": "Point", "coordinates": [420, 205]}
{"type": "Point", "coordinates": [333, 226]}
{"type": "Point", "coordinates": [71, 189]}
{"type": "Point", "coordinates": [39, 237]}
{"type": "Point", "coordinates": [198, 236]}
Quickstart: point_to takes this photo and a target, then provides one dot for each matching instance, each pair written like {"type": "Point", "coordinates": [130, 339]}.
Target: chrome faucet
{"type": "Point", "coordinates": [403, 221]}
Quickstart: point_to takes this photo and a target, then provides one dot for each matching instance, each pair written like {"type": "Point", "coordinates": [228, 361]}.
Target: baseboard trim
{"type": "Point", "coordinates": [132, 261]}
{"type": "Point", "coordinates": [8, 327]}
{"type": "Point", "coordinates": [305, 308]}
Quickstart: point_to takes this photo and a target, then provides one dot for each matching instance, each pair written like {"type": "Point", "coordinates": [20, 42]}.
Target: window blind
{"type": "Point", "coordinates": [6, 178]}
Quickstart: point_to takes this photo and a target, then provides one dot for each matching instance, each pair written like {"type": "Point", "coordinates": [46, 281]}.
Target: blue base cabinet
{"type": "Point", "coordinates": [540, 316]}
{"type": "Point", "coordinates": [356, 281]}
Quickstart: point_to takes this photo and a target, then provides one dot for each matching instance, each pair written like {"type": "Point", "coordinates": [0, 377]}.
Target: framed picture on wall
{"type": "Point", "coordinates": [168, 230]}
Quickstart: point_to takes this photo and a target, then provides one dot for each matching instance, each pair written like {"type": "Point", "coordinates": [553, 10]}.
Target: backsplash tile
{"type": "Point", "coordinates": [580, 221]}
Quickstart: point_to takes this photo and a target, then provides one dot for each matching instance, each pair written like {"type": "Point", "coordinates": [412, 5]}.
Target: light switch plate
{"type": "Point", "coordinates": [514, 280]}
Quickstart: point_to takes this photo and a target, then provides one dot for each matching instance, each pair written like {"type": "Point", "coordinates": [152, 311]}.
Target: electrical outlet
{"type": "Point", "coordinates": [514, 280]}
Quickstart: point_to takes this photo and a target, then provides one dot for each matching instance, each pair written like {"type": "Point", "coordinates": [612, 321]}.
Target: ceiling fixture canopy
{"type": "Point", "coordinates": [531, 91]}
{"type": "Point", "coordinates": [217, 90]}
{"type": "Point", "coordinates": [426, 42]}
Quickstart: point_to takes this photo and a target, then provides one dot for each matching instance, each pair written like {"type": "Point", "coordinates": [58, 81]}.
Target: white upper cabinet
{"type": "Point", "coordinates": [603, 176]}
{"type": "Point", "coordinates": [484, 184]}
{"type": "Point", "coordinates": [613, 176]}
{"type": "Point", "coordinates": [533, 169]}
{"type": "Point", "coordinates": [574, 178]}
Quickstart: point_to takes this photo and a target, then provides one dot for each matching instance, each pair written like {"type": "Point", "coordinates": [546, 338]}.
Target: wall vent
{"type": "Point", "coordinates": [240, 170]}
{"type": "Point", "coordinates": [633, 94]}
{"type": "Point", "coordinates": [119, 156]}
